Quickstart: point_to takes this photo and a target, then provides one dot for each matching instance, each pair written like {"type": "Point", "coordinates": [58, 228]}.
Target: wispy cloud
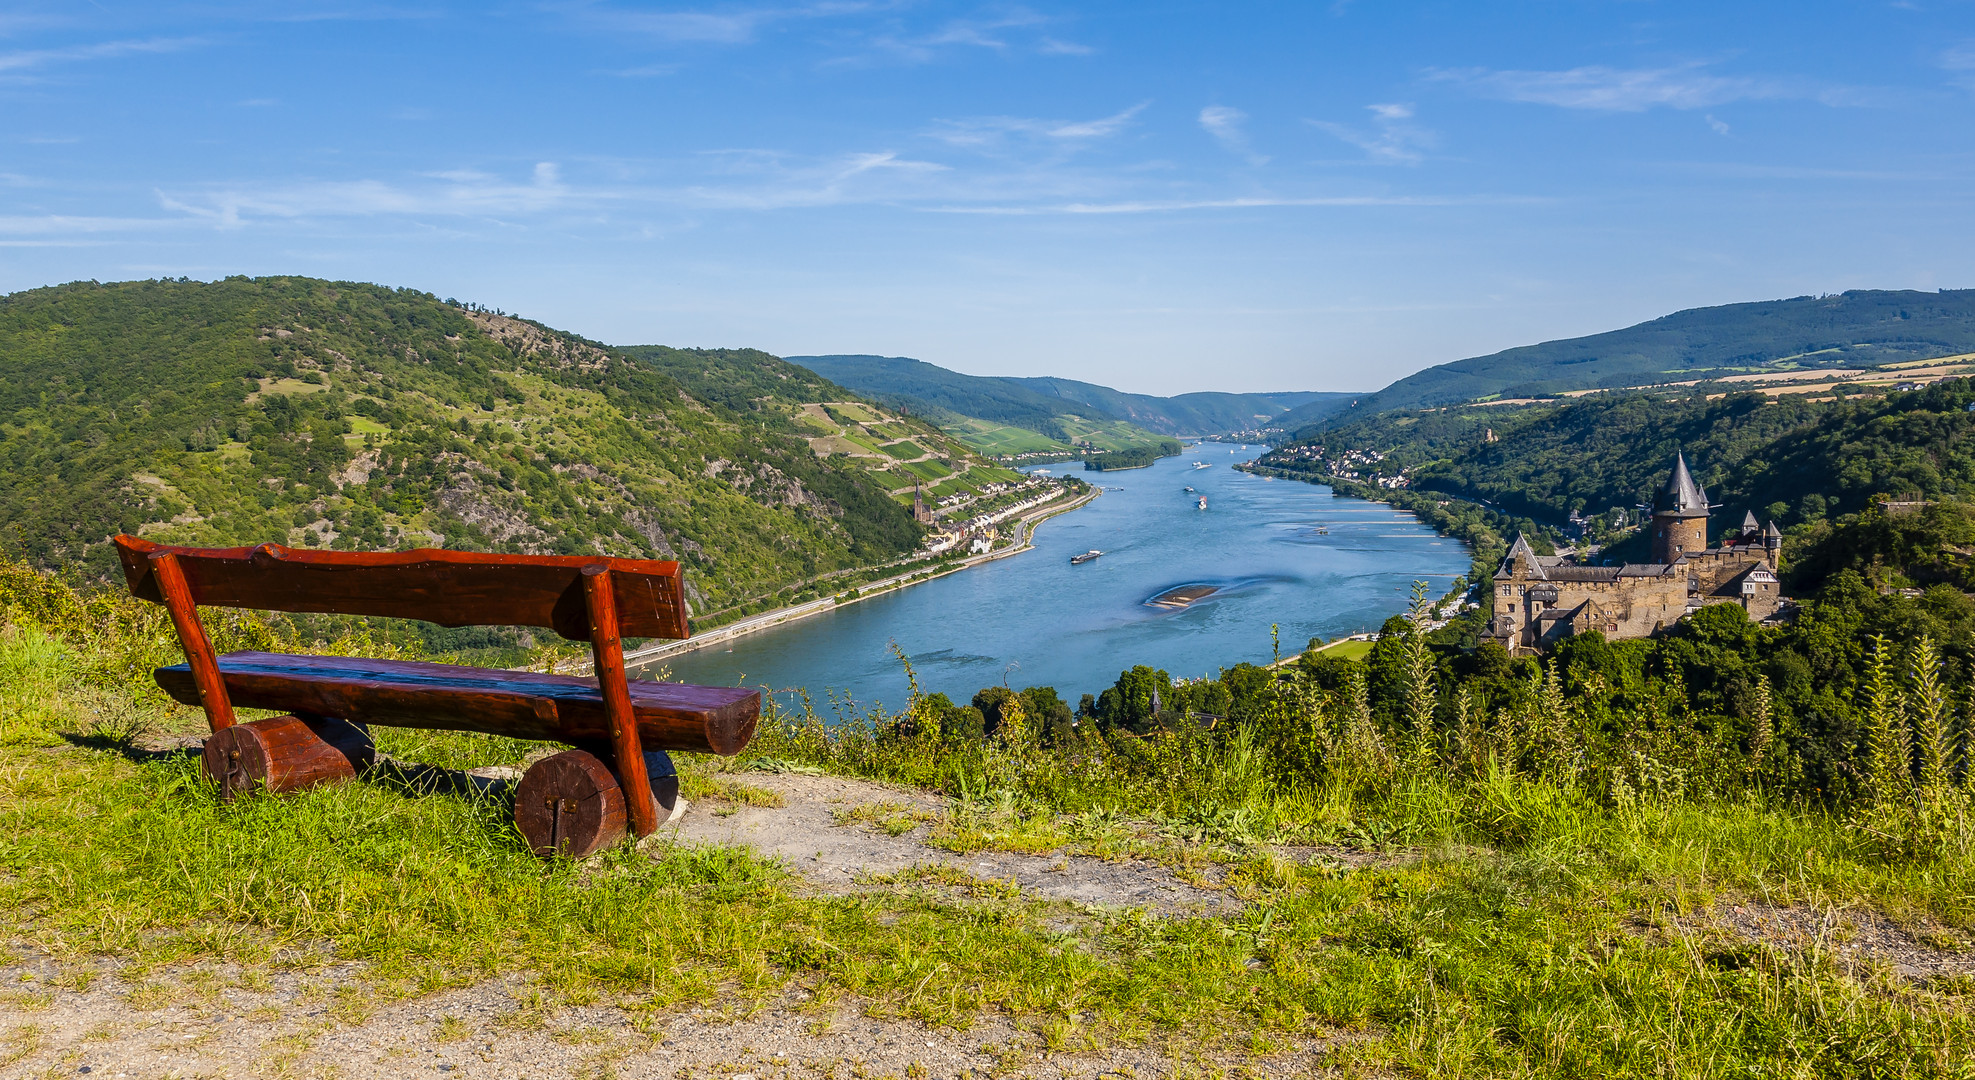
{"type": "Point", "coordinates": [1609, 89]}
{"type": "Point", "coordinates": [1393, 138]}
{"type": "Point", "coordinates": [991, 33]}
{"type": "Point", "coordinates": [1961, 60]}
{"type": "Point", "coordinates": [1226, 125]}
{"type": "Point", "coordinates": [1720, 127]}
{"type": "Point", "coordinates": [60, 225]}
{"type": "Point", "coordinates": [1253, 202]}
{"type": "Point", "coordinates": [446, 193]}
{"type": "Point", "coordinates": [735, 25]}
{"type": "Point", "coordinates": [771, 182]}
{"type": "Point", "coordinates": [1050, 46]}
{"type": "Point", "coordinates": [22, 63]}
{"type": "Point", "coordinates": [723, 180]}
{"type": "Point", "coordinates": [983, 132]}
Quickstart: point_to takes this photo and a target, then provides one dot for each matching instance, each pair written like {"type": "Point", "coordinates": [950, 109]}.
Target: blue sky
{"type": "Point", "coordinates": [1158, 196]}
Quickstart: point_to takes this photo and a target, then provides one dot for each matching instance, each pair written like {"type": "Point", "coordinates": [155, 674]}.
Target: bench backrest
{"type": "Point", "coordinates": [451, 588]}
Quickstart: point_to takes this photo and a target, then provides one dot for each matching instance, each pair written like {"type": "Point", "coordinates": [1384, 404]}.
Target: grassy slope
{"type": "Point", "coordinates": [297, 410]}
{"type": "Point", "coordinates": [1488, 924]}
{"type": "Point", "coordinates": [985, 406]}
{"type": "Point", "coordinates": [1860, 327]}
{"type": "Point", "coordinates": [778, 392]}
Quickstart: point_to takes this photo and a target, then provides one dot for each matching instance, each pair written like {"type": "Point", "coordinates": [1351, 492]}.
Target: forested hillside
{"type": "Point", "coordinates": [1202, 413]}
{"type": "Point", "coordinates": [330, 413]}
{"type": "Point", "coordinates": [1052, 406]}
{"type": "Point", "coordinates": [899, 451]}
{"type": "Point", "coordinates": [1859, 328]}
{"type": "Point", "coordinates": [903, 382]}
{"type": "Point", "coordinates": [1815, 467]}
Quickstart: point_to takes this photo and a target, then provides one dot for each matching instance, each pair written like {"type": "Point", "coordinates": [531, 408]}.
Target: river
{"type": "Point", "coordinates": [1275, 551]}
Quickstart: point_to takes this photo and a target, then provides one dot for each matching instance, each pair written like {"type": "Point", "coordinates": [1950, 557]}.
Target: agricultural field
{"type": "Point", "coordinates": [998, 439]}
{"type": "Point", "coordinates": [897, 451]}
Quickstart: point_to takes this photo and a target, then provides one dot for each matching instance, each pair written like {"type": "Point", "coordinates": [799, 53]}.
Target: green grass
{"type": "Point", "coordinates": [1461, 921]}
{"type": "Point", "coordinates": [1347, 650]}
{"type": "Point", "coordinates": [992, 438]}
{"type": "Point", "coordinates": [926, 470]}
{"type": "Point", "coordinates": [1106, 434]}
{"type": "Point", "coordinates": [855, 411]}
{"type": "Point", "coordinates": [903, 450]}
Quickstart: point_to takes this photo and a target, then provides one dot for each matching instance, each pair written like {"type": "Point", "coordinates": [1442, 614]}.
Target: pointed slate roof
{"type": "Point", "coordinates": [1749, 524]}
{"type": "Point", "coordinates": [1521, 549]}
{"type": "Point", "coordinates": [1772, 531]}
{"type": "Point", "coordinates": [1682, 496]}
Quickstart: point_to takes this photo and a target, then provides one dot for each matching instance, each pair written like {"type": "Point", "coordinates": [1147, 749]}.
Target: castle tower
{"type": "Point", "coordinates": [1680, 516]}
{"type": "Point", "coordinates": [1772, 541]}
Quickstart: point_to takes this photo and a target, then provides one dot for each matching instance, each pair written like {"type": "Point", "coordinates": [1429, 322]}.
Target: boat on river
{"type": "Point", "coordinates": [1203, 502]}
{"type": "Point", "coordinates": [1079, 560]}
{"type": "Point", "coordinates": [1203, 464]}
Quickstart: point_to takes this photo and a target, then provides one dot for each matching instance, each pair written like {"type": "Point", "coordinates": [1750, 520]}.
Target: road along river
{"type": "Point", "coordinates": [1178, 587]}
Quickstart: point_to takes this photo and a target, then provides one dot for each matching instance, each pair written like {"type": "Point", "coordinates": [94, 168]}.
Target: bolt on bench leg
{"type": "Point", "coordinates": [283, 753]}
{"type": "Point", "coordinates": [570, 805]}
{"type": "Point", "coordinates": [574, 805]}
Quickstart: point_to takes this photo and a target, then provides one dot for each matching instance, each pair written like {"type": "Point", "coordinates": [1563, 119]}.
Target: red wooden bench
{"type": "Point", "coordinates": [574, 802]}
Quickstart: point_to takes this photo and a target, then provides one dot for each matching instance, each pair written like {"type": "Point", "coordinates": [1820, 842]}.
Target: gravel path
{"type": "Point", "coordinates": [805, 834]}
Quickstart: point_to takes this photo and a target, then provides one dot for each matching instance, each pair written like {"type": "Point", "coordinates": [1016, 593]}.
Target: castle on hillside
{"type": "Point", "coordinates": [1542, 599]}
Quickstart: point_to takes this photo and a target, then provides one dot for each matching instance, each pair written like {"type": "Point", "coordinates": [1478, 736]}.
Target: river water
{"type": "Point", "coordinates": [1277, 551]}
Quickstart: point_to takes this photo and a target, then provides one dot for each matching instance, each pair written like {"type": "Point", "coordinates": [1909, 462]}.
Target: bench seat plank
{"type": "Point", "coordinates": [517, 704]}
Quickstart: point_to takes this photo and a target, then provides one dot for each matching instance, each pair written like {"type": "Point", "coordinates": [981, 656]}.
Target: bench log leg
{"type": "Point", "coordinates": [660, 773]}
{"type": "Point", "coordinates": [569, 804]}
{"type": "Point", "coordinates": [276, 755]}
{"type": "Point", "coordinates": [350, 739]}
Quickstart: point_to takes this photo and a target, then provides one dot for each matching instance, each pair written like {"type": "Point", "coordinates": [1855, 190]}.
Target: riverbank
{"type": "Point", "coordinates": [1485, 530]}
{"type": "Point", "coordinates": [1025, 527]}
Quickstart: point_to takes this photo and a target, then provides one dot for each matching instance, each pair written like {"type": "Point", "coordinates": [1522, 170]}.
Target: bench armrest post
{"type": "Point", "coordinates": [199, 655]}
{"type": "Point", "coordinates": [607, 646]}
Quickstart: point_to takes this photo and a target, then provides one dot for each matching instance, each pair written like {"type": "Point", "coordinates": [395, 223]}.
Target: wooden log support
{"type": "Point", "coordinates": [569, 805]}
{"type": "Point", "coordinates": [607, 647]}
{"type": "Point", "coordinates": [177, 595]}
{"type": "Point", "coordinates": [351, 740]}
{"type": "Point", "coordinates": [276, 755]}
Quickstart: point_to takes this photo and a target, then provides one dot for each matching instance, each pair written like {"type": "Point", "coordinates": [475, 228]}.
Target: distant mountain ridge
{"type": "Point", "coordinates": [1037, 402]}
{"type": "Point", "coordinates": [1198, 413]}
{"type": "Point", "coordinates": [1861, 327]}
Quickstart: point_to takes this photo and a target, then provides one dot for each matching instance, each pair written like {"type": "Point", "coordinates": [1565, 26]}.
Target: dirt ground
{"type": "Point", "coordinates": [804, 833]}
{"type": "Point", "coordinates": [1856, 937]}
{"type": "Point", "coordinates": [292, 1026]}
{"type": "Point", "coordinates": [298, 1019]}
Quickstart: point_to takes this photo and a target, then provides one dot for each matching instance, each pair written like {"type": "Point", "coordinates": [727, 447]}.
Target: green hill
{"type": "Point", "coordinates": [1204, 413]}
{"type": "Point", "coordinates": [1860, 328]}
{"type": "Point", "coordinates": [983, 409]}
{"type": "Point", "coordinates": [898, 451]}
{"type": "Point", "coordinates": [1798, 461]}
{"type": "Point", "coordinates": [350, 415]}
